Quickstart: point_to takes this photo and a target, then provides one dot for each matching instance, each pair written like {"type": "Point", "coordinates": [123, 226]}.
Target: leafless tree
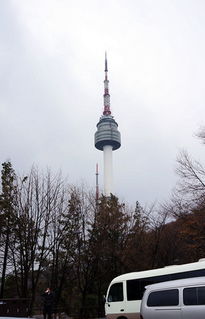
{"type": "Point", "coordinates": [37, 200]}
{"type": "Point", "coordinates": [201, 134]}
{"type": "Point", "coordinates": [192, 176]}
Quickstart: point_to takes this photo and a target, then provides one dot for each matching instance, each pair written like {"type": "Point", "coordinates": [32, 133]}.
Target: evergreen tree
{"type": "Point", "coordinates": [8, 214]}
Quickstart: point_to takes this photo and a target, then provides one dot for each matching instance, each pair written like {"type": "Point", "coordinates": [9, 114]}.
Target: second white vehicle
{"type": "Point", "coordinates": [177, 299]}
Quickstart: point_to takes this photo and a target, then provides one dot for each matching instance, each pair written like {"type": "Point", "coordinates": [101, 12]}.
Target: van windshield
{"type": "Point", "coordinates": [116, 292]}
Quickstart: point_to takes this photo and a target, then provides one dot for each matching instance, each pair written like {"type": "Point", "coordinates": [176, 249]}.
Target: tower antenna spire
{"type": "Point", "coordinates": [106, 69]}
{"type": "Point", "coordinates": [106, 90]}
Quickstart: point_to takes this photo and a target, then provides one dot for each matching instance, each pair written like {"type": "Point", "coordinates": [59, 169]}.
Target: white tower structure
{"type": "Point", "coordinates": [107, 137]}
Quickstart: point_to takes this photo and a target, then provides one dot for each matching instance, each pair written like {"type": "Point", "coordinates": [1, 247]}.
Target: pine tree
{"type": "Point", "coordinates": [7, 213]}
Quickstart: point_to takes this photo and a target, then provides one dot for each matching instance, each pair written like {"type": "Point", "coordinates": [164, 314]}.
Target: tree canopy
{"type": "Point", "coordinates": [55, 234]}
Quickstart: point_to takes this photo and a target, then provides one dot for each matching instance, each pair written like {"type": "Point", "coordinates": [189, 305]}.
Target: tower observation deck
{"type": "Point", "coordinates": [107, 136]}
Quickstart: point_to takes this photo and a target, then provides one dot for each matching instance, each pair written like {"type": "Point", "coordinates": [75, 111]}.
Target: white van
{"type": "Point", "coordinates": [125, 292]}
{"type": "Point", "coordinates": [177, 299]}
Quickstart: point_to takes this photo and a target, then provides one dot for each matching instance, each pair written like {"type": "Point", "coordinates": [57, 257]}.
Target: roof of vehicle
{"type": "Point", "coordinates": [161, 271]}
{"type": "Point", "coordinates": [188, 282]}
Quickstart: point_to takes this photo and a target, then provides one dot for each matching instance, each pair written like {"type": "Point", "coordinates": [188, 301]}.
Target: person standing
{"type": "Point", "coordinates": [48, 303]}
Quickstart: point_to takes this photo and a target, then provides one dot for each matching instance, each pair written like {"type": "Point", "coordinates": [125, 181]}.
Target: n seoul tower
{"type": "Point", "coordinates": [107, 137]}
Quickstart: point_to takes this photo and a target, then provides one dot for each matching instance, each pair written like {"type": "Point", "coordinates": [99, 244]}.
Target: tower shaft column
{"type": "Point", "coordinates": [107, 154]}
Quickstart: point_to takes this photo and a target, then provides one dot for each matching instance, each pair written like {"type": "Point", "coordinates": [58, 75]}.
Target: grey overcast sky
{"type": "Point", "coordinates": [51, 88]}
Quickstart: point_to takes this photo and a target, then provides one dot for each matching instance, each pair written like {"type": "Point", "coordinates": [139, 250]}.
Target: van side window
{"type": "Point", "coordinates": [188, 274]}
{"type": "Point", "coordinates": [136, 287]}
{"type": "Point", "coordinates": [115, 292]}
{"type": "Point", "coordinates": [194, 296]}
{"type": "Point", "coordinates": [201, 295]}
{"type": "Point", "coordinates": [163, 298]}
{"type": "Point", "coordinates": [189, 296]}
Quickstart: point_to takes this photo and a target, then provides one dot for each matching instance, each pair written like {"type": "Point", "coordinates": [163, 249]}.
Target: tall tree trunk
{"type": "Point", "coordinates": [4, 264]}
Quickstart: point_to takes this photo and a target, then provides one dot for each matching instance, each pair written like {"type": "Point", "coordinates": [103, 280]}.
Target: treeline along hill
{"type": "Point", "coordinates": [56, 235]}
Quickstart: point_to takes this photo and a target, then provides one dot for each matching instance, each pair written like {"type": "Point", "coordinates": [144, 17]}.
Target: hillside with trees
{"type": "Point", "coordinates": [55, 234]}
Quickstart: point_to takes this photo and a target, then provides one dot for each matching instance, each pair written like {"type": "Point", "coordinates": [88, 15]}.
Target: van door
{"type": "Point", "coordinates": [193, 312]}
{"type": "Point", "coordinates": [115, 303]}
{"type": "Point", "coordinates": [166, 313]}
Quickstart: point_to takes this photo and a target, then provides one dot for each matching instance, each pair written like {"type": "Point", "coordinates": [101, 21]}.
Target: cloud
{"type": "Point", "coordinates": [51, 87]}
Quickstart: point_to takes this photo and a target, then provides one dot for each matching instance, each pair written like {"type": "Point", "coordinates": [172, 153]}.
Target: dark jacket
{"type": "Point", "coordinates": [48, 299]}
